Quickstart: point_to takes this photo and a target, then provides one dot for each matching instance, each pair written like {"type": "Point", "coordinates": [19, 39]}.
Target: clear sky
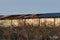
{"type": "Point", "coordinates": [29, 6]}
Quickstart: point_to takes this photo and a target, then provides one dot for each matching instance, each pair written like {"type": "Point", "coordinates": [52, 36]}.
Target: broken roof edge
{"type": "Point", "coordinates": [37, 15]}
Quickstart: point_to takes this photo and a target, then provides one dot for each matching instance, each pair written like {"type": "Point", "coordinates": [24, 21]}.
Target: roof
{"type": "Point", "coordinates": [19, 16]}
{"type": "Point", "coordinates": [49, 15]}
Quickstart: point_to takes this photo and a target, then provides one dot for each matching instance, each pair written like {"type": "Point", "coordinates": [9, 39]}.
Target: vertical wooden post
{"type": "Point", "coordinates": [39, 22]}
{"type": "Point", "coordinates": [10, 29]}
{"type": "Point", "coordinates": [37, 30]}
{"type": "Point", "coordinates": [45, 33]}
{"type": "Point", "coordinates": [54, 22]}
{"type": "Point", "coordinates": [18, 29]}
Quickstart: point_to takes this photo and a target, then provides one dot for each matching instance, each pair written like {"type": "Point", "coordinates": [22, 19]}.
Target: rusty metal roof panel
{"type": "Point", "coordinates": [19, 16]}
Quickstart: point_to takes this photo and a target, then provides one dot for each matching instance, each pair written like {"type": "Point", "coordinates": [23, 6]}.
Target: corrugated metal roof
{"type": "Point", "coordinates": [30, 16]}
{"type": "Point", "coordinates": [50, 15]}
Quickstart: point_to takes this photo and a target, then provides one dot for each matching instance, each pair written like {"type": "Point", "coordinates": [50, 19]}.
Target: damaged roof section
{"type": "Point", "coordinates": [27, 16]}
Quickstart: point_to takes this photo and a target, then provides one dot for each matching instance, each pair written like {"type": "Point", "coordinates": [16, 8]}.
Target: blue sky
{"type": "Point", "coordinates": [29, 6]}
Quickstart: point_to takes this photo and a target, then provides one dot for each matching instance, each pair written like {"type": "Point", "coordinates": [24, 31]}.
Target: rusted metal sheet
{"type": "Point", "coordinates": [27, 16]}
